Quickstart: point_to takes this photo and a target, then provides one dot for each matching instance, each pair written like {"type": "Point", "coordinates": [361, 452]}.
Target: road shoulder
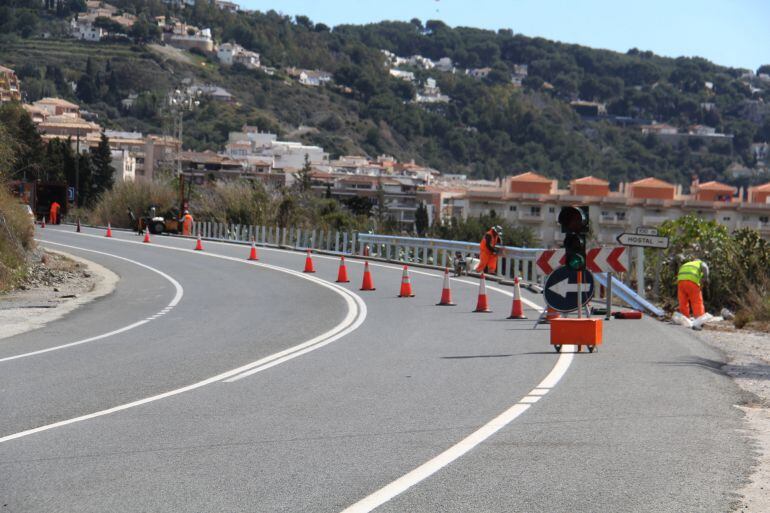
{"type": "Point", "coordinates": [748, 363]}
{"type": "Point", "coordinates": [55, 290]}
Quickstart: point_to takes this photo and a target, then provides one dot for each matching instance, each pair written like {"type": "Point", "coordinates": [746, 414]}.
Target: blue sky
{"type": "Point", "coordinates": [729, 32]}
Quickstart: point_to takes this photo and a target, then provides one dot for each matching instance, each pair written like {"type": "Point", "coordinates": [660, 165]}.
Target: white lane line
{"type": "Point", "coordinates": [174, 301]}
{"type": "Point", "coordinates": [354, 318]}
{"type": "Point", "coordinates": [530, 399]}
{"type": "Point", "coordinates": [432, 466]}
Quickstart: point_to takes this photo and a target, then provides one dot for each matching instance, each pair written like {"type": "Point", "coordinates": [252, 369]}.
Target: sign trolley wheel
{"type": "Point", "coordinates": [557, 347]}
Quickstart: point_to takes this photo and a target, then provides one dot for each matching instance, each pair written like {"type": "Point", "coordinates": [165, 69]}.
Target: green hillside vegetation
{"type": "Point", "coordinates": [489, 129]}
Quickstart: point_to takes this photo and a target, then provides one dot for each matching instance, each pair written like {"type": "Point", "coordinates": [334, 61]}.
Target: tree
{"type": "Point", "coordinates": [304, 180]}
{"type": "Point", "coordinates": [103, 173]}
{"type": "Point", "coordinates": [421, 219]}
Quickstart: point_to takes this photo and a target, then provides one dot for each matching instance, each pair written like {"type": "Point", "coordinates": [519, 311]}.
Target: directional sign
{"type": "Point", "coordinates": [561, 292]}
{"type": "Point", "coordinates": [607, 260]}
{"type": "Point", "coordinates": [70, 194]}
{"type": "Point", "coordinates": [643, 230]}
{"type": "Point", "coordinates": [644, 241]}
{"type": "Point", "coordinates": [598, 260]}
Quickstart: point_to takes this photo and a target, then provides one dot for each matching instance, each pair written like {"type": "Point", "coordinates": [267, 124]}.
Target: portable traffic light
{"type": "Point", "coordinates": [574, 224]}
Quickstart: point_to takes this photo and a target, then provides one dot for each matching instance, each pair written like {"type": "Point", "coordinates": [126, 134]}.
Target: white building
{"type": "Point", "coordinates": [124, 165]}
{"type": "Point", "coordinates": [85, 30]}
{"type": "Point", "coordinates": [403, 75]}
{"type": "Point", "coordinates": [232, 53]}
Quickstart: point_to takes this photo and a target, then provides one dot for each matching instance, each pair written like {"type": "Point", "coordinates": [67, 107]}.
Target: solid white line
{"type": "Point", "coordinates": [355, 317]}
{"type": "Point", "coordinates": [432, 466]}
{"type": "Point", "coordinates": [174, 301]}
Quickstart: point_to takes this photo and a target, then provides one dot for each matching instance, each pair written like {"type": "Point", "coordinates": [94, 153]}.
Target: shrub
{"type": "Point", "coordinates": [113, 205]}
{"type": "Point", "coordinates": [16, 238]}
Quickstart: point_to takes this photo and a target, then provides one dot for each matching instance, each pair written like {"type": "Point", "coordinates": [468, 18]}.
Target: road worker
{"type": "Point", "coordinates": [690, 278]}
{"type": "Point", "coordinates": [489, 250]}
{"type": "Point", "coordinates": [53, 218]}
{"type": "Point", "coordinates": [187, 223]}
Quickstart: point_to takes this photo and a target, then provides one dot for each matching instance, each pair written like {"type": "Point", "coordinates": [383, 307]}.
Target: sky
{"type": "Point", "coordinates": [729, 32]}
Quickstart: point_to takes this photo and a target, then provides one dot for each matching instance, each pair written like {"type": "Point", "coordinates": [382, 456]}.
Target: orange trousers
{"type": "Point", "coordinates": [690, 296]}
{"type": "Point", "coordinates": [488, 261]}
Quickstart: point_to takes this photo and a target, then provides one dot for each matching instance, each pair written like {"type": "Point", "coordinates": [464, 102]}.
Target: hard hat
{"type": "Point", "coordinates": [498, 229]}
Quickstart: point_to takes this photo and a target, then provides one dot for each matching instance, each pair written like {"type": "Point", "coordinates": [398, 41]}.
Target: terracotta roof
{"type": "Point", "coordinates": [207, 157]}
{"type": "Point", "coordinates": [762, 188]}
{"type": "Point", "coordinates": [715, 186]}
{"type": "Point", "coordinates": [590, 180]}
{"type": "Point", "coordinates": [58, 101]}
{"type": "Point", "coordinates": [653, 182]}
{"type": "Point", "coordinates": [529, 176]}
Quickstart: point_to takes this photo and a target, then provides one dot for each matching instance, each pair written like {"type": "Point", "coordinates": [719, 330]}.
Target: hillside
{"type": "Point", "coordinates": [489, 128]}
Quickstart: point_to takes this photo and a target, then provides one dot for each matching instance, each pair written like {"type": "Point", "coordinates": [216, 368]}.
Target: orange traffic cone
{"type": "Point", "coordinates": [146, 235]}
{"type": "Point", "coordinates": [42, 222]}
{"type": "Point", "coordinates": [551, 314]}
{"type": "Point", "coordinates": [77, 226]}
{"type": "Point", "coordinates": [406, 285]}
{"type": "Point", "coordinates": [517, 311]}
{"type": "Point", "coordinates": [367, 284]}
{"type": "Point", "coordinates": [342, 274]}
{"type": "Point", "coordinates": [253, 252]}
{"type": "Point", "coordinates": [109, 231]}
{"type": "Point", "coordinates": [199, 244]}
{"type": "Point", "coordinates": [308, 264]}
{"type": "Point", "coordinates": [446, 292]}
{"type": "Point", "coordinates": [482, 305]}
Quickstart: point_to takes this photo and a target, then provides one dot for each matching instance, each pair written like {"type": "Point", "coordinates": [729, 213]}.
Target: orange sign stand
{"type": "Point", "coordinates": [579, 332]}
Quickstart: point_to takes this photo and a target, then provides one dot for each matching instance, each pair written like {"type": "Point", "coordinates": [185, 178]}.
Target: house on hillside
{"type": "Point", "coordinates": [232, 53]}
{"type": "Point", "coordinates": [214, 92]}
{"type": "Point", "coordinates": [430, 93]}
{"type": "Point", "coordinates": [403, 75]}
{"type": "Point", "coordinates": [187, 37]}
{"type": "Point", "coordinates": [10, 86]}
{"type": "Point", "coordinates": [478, 73]}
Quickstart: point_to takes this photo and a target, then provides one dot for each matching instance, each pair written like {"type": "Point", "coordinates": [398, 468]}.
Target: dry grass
{"type": "Point", "coordinates": [114, 204]}
{"type": "Point", "coordinates": [16, 239]}
{"type": "Point", "coordinates": [754, 306]}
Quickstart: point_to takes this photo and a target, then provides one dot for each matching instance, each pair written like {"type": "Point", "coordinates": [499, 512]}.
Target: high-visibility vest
{"type": "Point", "coordinates": [691, 271]}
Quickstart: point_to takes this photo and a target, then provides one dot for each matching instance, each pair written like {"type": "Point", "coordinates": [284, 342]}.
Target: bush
{"type": "Point", "coordinates": [113, 205]}
{"type": "Point", "coordinates": [16, 239]}
{"type": "Point", "coordinates": [738, 263]}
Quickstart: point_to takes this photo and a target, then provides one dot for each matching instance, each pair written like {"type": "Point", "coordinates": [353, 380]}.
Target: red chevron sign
{"type": "Point", "coordinates": [598, 260]}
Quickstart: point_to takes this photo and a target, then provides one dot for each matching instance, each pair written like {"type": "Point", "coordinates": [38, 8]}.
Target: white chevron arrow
{"type": "Point", "coordinates": [564, 287]}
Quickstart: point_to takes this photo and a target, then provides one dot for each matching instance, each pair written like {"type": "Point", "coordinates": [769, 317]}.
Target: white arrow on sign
{"type": "Point", "coordinates": [564, 287]}
{"type": "Point", "coordinates": [644, 241]}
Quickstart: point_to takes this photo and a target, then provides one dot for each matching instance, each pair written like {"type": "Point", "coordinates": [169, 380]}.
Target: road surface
{"type": "Point", "coordinates": [209, 383]}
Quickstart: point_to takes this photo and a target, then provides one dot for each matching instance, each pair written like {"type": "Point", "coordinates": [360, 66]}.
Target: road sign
{"type": "Point", "coordinates": [607, 260]}
{"type": "Point", "coordinates": [70, 194]}
{"type": "Point", "coordinates": [550, 259]}
{"type": "Point", "coordinates": [598, 260]}
{"type": "Point", "coordinates": [560, 289]}
{"type": "Point", "coordinates": [643, 241]}
{"type": "Point", "coordinates": [643, 230]}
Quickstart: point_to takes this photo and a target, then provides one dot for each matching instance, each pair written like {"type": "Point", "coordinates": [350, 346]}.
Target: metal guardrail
{"type": "Point", "coordinates": [431, 252]}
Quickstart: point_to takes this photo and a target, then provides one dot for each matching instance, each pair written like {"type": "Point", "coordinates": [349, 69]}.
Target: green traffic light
{"type": "Point", "coordinates": [576, 262]}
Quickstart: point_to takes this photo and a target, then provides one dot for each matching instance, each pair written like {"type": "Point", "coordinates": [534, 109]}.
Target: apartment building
{"type": "Point", "coordinates": [10, 87]}
{"type": "Point", "coordinates": [533, 200]}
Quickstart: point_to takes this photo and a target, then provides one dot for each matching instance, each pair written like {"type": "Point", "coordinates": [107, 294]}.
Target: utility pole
{"type": "Point", "coordinates": [77, 169]}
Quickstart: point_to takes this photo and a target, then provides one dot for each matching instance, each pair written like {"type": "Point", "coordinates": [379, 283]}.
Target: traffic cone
{"type": "Point", "coordinates": [342, 274]}
{"type": "Point", "coordinates": [367, 284]}
{"type": "Point", "coordinates": [308, 264]}
{"type": "Point", "coordinates": [446, 292]}
{"type": "Point", "coordinates": [77, 226]}
{"type": "Point", "coordinates": [253, 252]}
{"type": "Point", "coordinates": [406, 285]}
{"type": "Point", "coordinates": [146, 235]}
{"type": "Point", "coordinates": [199, 244]}
{"type": "Point", "coordinates": [109, 231]}
{"type": "Point", "coordinates": [551, 314]}
{"type": "Point", "coordinates": [517, 311]}
{"type": "Point", "coordinates": [42, 222]}
{"type": "Point", "coordinates": [481, 304]}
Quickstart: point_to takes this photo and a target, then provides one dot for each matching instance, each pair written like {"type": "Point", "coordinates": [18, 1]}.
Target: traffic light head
{"type": "Point", "coordinates": [574, 223]}
{"type": "Point", "coordinates": [574, 219]}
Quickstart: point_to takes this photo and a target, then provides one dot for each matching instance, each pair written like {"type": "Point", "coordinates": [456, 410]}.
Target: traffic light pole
{"type": "Point", "coordinates": [608, 315]}
{"type": "Point", "coordinates": [580, 294]}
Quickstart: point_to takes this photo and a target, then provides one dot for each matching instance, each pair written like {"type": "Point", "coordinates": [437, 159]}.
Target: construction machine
{"type": "Point", "coordinates": [166, 222]}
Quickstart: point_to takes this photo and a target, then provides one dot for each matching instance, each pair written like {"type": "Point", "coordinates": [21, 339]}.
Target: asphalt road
{"type": "Point", "coordinates": [242, 387]}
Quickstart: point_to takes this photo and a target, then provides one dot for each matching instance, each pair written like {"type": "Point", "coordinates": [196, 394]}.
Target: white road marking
{"type": "Point", "coordinates": [354, 318]}
{"type": "Point", "coordinates": [530, 399]}
{"type": "Point", "coordinates": [432, 466]}
{"type": "Point", "coordinates": [174, 301]}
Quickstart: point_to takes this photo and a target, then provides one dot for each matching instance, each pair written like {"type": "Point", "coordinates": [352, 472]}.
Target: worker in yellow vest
{"type": "Point", "coordinates": [690, 279]}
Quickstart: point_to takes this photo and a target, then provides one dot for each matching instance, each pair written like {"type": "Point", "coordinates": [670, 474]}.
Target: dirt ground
{"type": "Point", "coordinates": [57, 284]}
{"type": "Point", "coordinates": [748, 357]}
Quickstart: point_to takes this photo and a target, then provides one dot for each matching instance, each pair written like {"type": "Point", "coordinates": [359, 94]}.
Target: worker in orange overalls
{"type": "Point", "coordinates": [489, 250]}
{"type": "Point", "coordinates": [53, 218]}
{"type": "Point", "coordinates": [187, 223]}
{"type": "Point", "coordinates": [690, 278]}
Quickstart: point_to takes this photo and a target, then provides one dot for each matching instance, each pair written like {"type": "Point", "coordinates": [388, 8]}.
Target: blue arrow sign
{"type": "Point", "coordinates": [561, 289]}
